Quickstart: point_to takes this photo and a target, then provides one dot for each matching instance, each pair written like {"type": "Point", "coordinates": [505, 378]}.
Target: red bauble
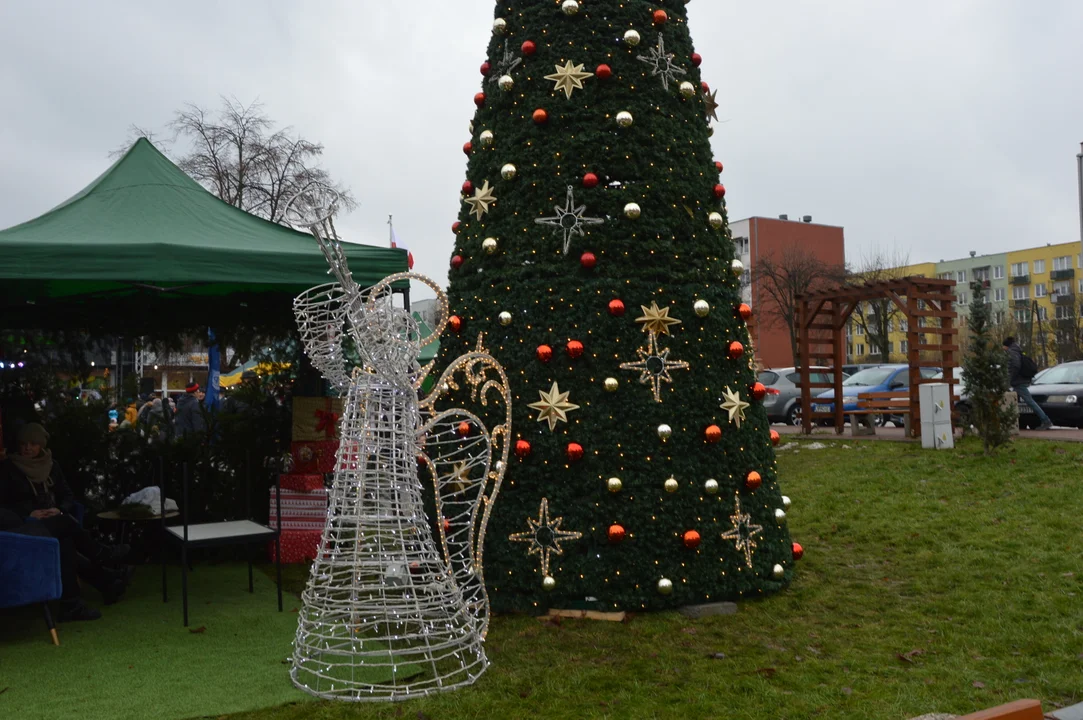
{"type": "Point", "coordinates": [486, 67]}
{"type": "Point", "coordinates": [615, 534]}
{"type": "Point", "coordinates": [464, 428]}
{"type": "Point", "coordinates": [590, 180]}
{"type": "Point", "coordinates": [587, 260]}
{"type": "Point", "coordinates": [744, 311]}
{"type": "Point", "coordinates": [696, 59]}
{"type": "Point", "coordinates": [603, 72]}
{"type": "Point", "coordinates": [468, 188]}
{"type": "Point", "coordinates": [575, 452]}
{"type": "Point", "coordinates": [544, 353]}
{"type": "Point", "coordinates": [616, 307]}
{"type": "Point", "coordinates": [467, 147]}
{"type": "Point", "coordinates": [718, 165]}
{"type": "Point", "coordinates": [660, 17]}
{"type": "Point", "coordinates": [575, 348]}
{"type": "Point", "coordinates": [455, 322]}
{"type": "Point", "coordinates": [705, 87]}
{"type": "Point", "coordinates": [691, 539]}
{"type": "Point", "coordinates": [798, 551]}
{"type": "Point", "coordinates": [456, 262]}
{"type": "Point", "coordinates": [720, 191]}
{"type": "Point", "coordinates": [541, 116]}
{"type": "Point", "coordinates": [479, 99]}
{"type": "Point", "coordinates": [758, 391]}
{"type": "Point", "coordinates": [753, 480]}
{"type": "Point", "coordinates": [736, 350]}
{"type": "Point", "coordinates": [456, 225]}
{"type": "Point", "coordinates": [775, 437]}
{"type": "Point", "coordinates": [522, 448]}
{"type": "Point", "coordinates": [529, 47]}
{"type": "Point", "coordinates": [447, 525]}
{"type": "Point", "coordinates": [712, 434]}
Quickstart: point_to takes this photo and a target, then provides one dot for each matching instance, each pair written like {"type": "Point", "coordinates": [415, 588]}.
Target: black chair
{"type": "Point", "coordinates": [217, 534]}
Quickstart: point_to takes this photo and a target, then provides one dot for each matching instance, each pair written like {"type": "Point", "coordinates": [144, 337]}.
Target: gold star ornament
{"type": "Point", "coordinates": [483, 198]}
{"type": "Point", "coordinates": [710, 105]}
{"type": "Point", "coordinates": [744, 532]}
{"type": "Point", "coordinates": [544, 536]}
{"type": "Point", "coordinates": [569, 77]}
{"type": "Point", "coordinates": [656, 320]}
{"type": "Point", "coordinates": [735, 406]}
{"type": "Point", "coordinates": [553, 406]}
{"type": "Point", "coordinates": [654, 365]}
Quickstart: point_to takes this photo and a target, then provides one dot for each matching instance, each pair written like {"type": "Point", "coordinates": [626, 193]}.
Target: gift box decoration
{"type": "Point", "coordinates": [301, 482]}
{"type": "Point", "coordinates": [316, 418]}
{"type": "Point", "coordinates": [311, 457]}
{"type": "Point", "coordinates": [297, 546]}
{"type": "Point", "coordinates": [300, 510]}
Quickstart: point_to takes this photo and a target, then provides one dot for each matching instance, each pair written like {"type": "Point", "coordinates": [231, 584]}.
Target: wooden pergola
{"type": "Point", "coordinates": [927, 305]}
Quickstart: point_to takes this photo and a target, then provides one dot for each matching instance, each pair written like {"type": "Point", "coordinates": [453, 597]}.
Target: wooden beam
{"type": "Point", "coordinates": [1018, 710]}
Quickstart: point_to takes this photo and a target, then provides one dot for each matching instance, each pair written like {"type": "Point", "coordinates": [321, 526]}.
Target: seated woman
{"type": "Point", "coordinates": [35, 499]}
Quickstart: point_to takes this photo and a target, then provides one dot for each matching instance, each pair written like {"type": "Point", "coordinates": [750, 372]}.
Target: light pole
{"type": "Point", "coordinates": [1079, 172]}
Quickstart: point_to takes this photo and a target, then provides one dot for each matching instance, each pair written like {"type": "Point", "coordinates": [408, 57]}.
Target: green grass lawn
{"type": "Point", "coordinates": [932, 581]}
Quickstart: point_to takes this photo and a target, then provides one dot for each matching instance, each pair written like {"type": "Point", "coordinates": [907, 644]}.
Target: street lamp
{"type": "Point", "coordinates": [1079, 172]}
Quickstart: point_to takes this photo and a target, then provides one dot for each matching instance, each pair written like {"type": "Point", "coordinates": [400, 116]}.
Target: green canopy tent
{"type": "Point", "coordinates": [145, 246]}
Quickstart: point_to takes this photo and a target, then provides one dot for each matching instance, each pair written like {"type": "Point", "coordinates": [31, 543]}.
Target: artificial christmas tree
{"type": "Point", "coordinates": [593, 259]}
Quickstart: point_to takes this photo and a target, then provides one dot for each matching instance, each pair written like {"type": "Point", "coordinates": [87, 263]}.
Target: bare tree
{"type": "Point", "coordinates": [237, 154]}
{"type": "Point", "coordinates": [877, 318]}
{"type": "Point", "coordinates": [784, 276]}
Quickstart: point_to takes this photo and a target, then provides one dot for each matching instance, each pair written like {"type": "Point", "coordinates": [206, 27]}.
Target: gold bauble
{"type": "Point", "coordinates": [688, 89]}
{"type": "Point", "coordinates": [671, 485]}
{"type": "Point", "coordinates": [737, 267]}
{"type": "Point", "coordinates": [631, 37]}
{"type": "Point", "coordinates": [624, 119]}
{"type": "Point", "coordinates": [664, 432]}
{"type": "Point", "coordinates": [665, 586]}
{"type": "Point", "coordinates": [710, 130]}
{"type": "Point", "coordinates": [548, 583]}
{"type": "Point", "coordinates": [505, 83]}
{"type": "Point", "coordinates": [777, 572]}
{"type": "Point", "coordinates": [614, 484]}
{"type": "Point", "coordinates": [508, 172]}
{"type": "Point", "coordinates": [611, 384]}
{"type": "Point", "coordinates": [489, 245]}
{"type": "Point", "coordinates": [570, 7]}
{"type": "Point", "coordinates": [702, 308]}
{"type": "Point", "coordinates": [486, 137]}
{"type": "Point", "coordinates": [711, 486]}
{"type": "Point", "coordinates": [632, 211]}
{"type": "Point", "coordinates": [505, 318]}
{"type": "Point", "coordinates": [500, 25]}
{"type": "Point", "coordinates": [716, 220]}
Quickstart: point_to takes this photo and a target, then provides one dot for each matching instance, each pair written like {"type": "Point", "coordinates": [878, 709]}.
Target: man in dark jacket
{"type": "Point", "coordinates": [189, 418]}
{"type": "Point", "coordinates": [1019, 383]}
{"type": "Point", "coordinates": [35, 499]}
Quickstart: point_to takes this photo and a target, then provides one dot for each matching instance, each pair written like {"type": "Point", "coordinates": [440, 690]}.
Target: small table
{"type": "Point", "coordinates": [124, 519]}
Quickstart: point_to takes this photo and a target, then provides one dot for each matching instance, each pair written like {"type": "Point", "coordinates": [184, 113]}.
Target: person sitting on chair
{"type": "Point", "coordinates": [35, 499]}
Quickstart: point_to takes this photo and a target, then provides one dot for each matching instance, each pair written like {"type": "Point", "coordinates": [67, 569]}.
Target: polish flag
{"type": "Point", "coordinates": [409, 255]}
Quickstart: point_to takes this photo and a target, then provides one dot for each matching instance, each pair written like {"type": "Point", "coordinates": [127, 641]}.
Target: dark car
{"type": "Point", "coordinates": [1058, 391]}
{"type": "Point", "coordinates": [783, 399]}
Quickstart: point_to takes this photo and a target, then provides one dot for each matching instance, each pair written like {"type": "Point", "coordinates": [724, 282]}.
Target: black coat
{"type": "Point", "coordinates": [17, 495]}
{"type": "Point", "coordinates": [189, 417]}
{"type": "Point", "coordinates": [1015, 363]}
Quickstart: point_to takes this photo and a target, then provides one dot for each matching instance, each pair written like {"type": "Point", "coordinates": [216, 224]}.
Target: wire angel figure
{"type": "Point", "coordinates": [388, 614]}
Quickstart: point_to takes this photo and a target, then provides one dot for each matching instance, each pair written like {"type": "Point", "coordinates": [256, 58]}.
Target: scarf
{"type": "Point", "coordinates": [37, 470]}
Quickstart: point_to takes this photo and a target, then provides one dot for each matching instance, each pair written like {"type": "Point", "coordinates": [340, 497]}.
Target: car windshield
{"type": "Point", "coordinates": [869, 377]}
{"type": "Point", "coordinates": [1061, 374]}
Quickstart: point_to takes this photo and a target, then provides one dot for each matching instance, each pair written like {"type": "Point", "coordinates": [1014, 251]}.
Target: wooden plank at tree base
{"type": "Point", "coordinates": [588, 615]}
{"type": "Point", "coordinates": [1018, 710]}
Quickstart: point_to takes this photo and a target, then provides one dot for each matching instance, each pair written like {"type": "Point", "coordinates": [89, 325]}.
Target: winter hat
{"type": "Point", "coordinates": [191, 388]}
{"type": "Point", "coordinates": [34, 434]}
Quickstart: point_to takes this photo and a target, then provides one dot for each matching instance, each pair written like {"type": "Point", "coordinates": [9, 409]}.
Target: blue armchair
{"type": "Point", "coordinates": [30, 573]}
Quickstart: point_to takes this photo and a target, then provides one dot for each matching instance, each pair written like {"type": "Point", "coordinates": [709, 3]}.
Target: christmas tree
{"type": "Point", "coordinates": [985, 375]}
{"type": "Point", "coordinates": [593, 259]}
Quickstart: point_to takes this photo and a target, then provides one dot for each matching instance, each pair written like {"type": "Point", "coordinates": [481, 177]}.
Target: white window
{"type": "Point", "coordinates": [1039, 290]}
{"type": "Point", "coordinates": [998, 272]}
{"type": "Point", "coordinates": [1064, 312]}
{"type": "Point", "coordinates": [960, 276]}
{"type": "Point", "coordinates": [1021, 292]}
{"type": "Point", "coordinates": [746, 278]}
{"type": "Point", "coordinates": [946, 276]}
{"type": "Point", "coordinates": [904, 346]}
{"type": "Point", "coordinates": [981, 274]}
{"type": "Point", "coordinates": [1022, 316]}
{"type": "Point", "coordinates": [860, 349]}
{"type": "Point", "coordinates": [1062, 287]}
{"type": "Point", "coordinates": [903, 325]}
{"type": "Point", "coordinates": [1043, 312]}
{"type": "Point", "coordinates": [1020, 269]}
{"type": "Point", "coordinates": [1063, 262]}
{"type": "Point", "coordinates": [998, 318]}
{"type": "Point", "coordinates": [1039, 267]}
{"type": "Point", "coordinates": [1081, 285]}
{"type": "Point", "coordinates": [1000, 294]}
{"type": "Point", "coordinates": [962, 298]}
{"type": "Point", "coordinates": [890, 347]}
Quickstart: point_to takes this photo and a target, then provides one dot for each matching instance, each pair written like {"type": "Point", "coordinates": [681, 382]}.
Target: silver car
{"type": "Point", "coordinates": [783, 399]}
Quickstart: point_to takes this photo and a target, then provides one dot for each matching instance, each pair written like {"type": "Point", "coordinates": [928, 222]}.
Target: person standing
{"type": "Point", "coordinates": [189, 418]}
{"type": "Point", "coordinates": [1019, 377]}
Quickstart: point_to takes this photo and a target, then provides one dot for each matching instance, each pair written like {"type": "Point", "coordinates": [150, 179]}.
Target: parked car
{"type": "Point", "coordinates": [855, 368]}
{"type": "Point", "coordinates": [1027, 418]}
{"type": "Point", "coordinates": [880, 378]}
{"type": "Point", "coordinates": [783, 399]}
{"type": "Point", "coordinates": [1058, 391]}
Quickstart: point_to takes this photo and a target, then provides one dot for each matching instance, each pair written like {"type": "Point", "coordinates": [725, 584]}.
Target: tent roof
{"type": "Point", "coordinates": [144, 222]}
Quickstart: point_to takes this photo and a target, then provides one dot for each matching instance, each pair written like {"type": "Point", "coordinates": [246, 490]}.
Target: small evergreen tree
{"type": "Point", "coordinates": [985, 374]}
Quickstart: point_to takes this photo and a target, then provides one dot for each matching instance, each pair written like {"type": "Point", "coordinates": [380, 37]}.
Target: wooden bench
{"type": "Point", "coordinates": [879, 403]}
{"type": "Point", "coordinates": [1018, 710]}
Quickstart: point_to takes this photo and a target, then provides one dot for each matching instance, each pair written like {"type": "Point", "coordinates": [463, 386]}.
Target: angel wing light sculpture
{"type": "Point", "coordinates": [388, 612]}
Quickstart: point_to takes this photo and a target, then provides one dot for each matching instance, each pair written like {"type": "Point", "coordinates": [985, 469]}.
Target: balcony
{"type": "Point", "coordinates": [1062, 274]}
{"type": "Point", "coordinates": [1063, 298]}
{"type": "Point", "coordinates": [1020, 279]}
{"type": "Point", "coordinates": [1021, 304]}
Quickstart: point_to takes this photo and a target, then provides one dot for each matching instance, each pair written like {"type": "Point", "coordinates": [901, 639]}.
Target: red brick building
{"type": "Point", "coordinates": [757, 238]}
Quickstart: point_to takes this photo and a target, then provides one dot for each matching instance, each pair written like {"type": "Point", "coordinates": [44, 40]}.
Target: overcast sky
{"type": "Point", "coordinates": [933, 127]}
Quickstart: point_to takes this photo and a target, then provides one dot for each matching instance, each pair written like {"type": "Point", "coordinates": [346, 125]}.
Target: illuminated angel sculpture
{"type": "Point", "coordinates": [395, 605]}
